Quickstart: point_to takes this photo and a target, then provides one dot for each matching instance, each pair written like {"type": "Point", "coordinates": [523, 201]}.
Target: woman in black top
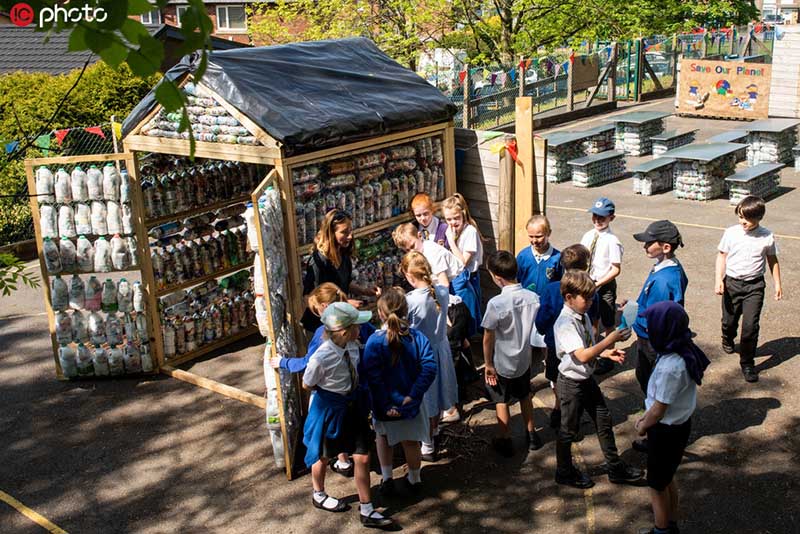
{"type": "Point", "coordinates": [331, 262]}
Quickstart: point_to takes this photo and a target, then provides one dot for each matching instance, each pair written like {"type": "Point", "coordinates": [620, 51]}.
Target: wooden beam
{"type": "Point", "coordinates": [203, 149]}
{"type": "Point", "coordinates": [216, 387]}
{"type": "Point", "coordinates": [600, 80]}
{"type": "Point", "coordinates": [540, 162]}
{"type": "Point", "coordinates": [570, 82]}
{"type": "Point", "coordinates": [505, 203]}
{"type": "Point", "coordinates": [524, 173]}
{"type": "Point", "coordinates": [67, 160]}
{"type": "Point", "coordinates": [650, 73]}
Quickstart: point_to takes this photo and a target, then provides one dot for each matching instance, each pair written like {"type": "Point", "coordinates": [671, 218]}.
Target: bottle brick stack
{"type": "Point", "coordinates": [696, 180]}
{"type": "Point", "coordinates": [653, 177]}
{"type": "Point", "coordinates": [635, 139]}
{"type": "Point", "coordinates": [597, 169]}
{"type": "Point", "coordinates": [761, 180]}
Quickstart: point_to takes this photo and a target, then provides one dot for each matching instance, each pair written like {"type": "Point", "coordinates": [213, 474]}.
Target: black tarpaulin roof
{"type": "Point", "coordinates": [316, 94]}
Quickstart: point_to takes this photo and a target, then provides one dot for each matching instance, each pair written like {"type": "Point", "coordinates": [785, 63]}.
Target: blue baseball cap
{"type": "Point", "coordinates": [602, 207]}
{"type": "Point", "coordinates": [340, 315]}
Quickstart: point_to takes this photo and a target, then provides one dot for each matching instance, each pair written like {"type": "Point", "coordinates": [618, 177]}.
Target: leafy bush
{"type": "Point", "coordinates": [28, 100]}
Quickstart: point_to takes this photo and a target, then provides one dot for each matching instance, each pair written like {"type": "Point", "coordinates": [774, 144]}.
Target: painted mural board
{"type": "Point", "coordinates": [586, 71]}
{"type": "Point", "coordinates": [725, 89]}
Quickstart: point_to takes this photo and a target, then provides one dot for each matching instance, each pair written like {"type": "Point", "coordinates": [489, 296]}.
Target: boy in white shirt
{"type": "Point", "coordinates": [508, 327]}
{"type": "Point", "coordinates": [744, 252]}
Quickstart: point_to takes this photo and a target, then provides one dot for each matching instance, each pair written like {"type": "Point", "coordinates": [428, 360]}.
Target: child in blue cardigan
{"type": "Point", "coordinates": [538, 264]}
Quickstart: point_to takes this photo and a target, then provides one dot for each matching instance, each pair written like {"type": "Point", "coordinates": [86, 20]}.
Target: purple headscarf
{"type": "Point", "coordinates": [668, 329]}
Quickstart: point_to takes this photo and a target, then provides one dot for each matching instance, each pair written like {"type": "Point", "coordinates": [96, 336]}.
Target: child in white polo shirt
{"type": "Point", "coordinates": [744, 251]}
{"type": "Point", "coordinates": [508, 327]}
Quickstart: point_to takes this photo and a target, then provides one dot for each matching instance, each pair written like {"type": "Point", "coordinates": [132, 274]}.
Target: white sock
{"type": "Point", "coordinates": [386, 472]}
{"type": "Point", "coordinates": [319, 496]}
{"type": "Point", "coordinates": [427, 447]}
{"type": "Point", "coordinates": [343, 465]}
{"type": "Point", "coordinates": [367, 509]}
{"type": "Point", "coordinates": [414, 476]}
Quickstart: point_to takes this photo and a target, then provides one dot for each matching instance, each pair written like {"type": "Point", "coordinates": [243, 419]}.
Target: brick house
{"type": "Point", "coordinates": [228, 16]}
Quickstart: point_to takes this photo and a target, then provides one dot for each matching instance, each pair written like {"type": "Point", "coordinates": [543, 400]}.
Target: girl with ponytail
{"type": "Point", "coordinates": [465, 242]}
{"type": "Point", "coordinates": [399, 366]}
{"type": "Point", "coordinates": [427, 311]}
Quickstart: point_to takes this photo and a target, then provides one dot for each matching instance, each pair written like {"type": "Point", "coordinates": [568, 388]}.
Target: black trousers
{"type": "Point", "coordinates": [645, 362]}
{"type": "Point", "coordinates": [575, 397]}
{"type": "Point", "coordinates": [743, 299]}
{"type": "Point", "coordinates": [608, 304]}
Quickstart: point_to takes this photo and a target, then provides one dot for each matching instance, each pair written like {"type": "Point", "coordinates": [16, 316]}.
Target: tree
{"type": "Point", "coordinates": [12, 272]}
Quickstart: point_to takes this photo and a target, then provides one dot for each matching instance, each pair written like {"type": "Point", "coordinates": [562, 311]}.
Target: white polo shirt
{"type": "Point", "coordinates": [328, 369]}
{"type": "Point", "coordinates": [511, 315]}
{"type": "Point", "coordinates": [572, 332]}
{"type": "Point", "coordinates": [747, 251]}
{"type": "Point", "coordinates": [441, 259]}
{"type": "Point", "coordinates": [607, 251]}
{"type": "Point", "coordinates": [671, 384]}
{"type": "Point", "coordinates": [470, 241]}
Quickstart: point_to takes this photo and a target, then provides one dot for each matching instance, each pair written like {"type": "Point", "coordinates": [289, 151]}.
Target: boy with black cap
{"type": "Point", "coordinates": [605, 265]}
{"type": "Point", "coordinates": [666, 281]}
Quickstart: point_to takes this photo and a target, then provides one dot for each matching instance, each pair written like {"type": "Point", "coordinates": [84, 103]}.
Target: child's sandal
{"type": "Point", "coordinates": [341, 506]}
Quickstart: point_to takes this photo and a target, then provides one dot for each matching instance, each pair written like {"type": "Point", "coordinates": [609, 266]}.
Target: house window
{"type": "Point", "coordinates": [153, 18]}
{"type": "Point", "coordinates": [180, 11]}
{"type": "Point", "coordinates": [231, 18]}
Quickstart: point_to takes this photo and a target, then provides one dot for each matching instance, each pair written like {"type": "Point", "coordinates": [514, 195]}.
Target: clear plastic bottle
{"type": "Point", "coordinates": [69, 256]}
{"type": "Point", "coordinates": [132, 359]}
{"type": "Point", "coordinates": [189, 333]}
{"type": "Point", "coordinates": [84, 362]}
{"type": "Point", "coordinates": [141, 326]}
{"type": "Point", "coordinates": [94, 183]}
{"type": "Point", "coordinates": [113, 217]}
{"type": "Point", "coordinates": [99, 218]}
{"type": "Point", "coordinates": [138, 297]}
{"type": "Point", "coordinates": [45, 189]}
{"type": "Point", "coordinates": [127, 219]}
{"type": "Point", "coordinates": [48, 221]}
{"type": "Point", "coordinates": [94, 290]}
{"type": "Point", "coordinates": [80, 332]}
{"type": "Point", "coordinates": [84, 255]}
{"type": "Point", "coordinates": [147, 359]}
{"type": "Point", "coordinates": [124, 186]}
{"type": "Point", "coordinates": [168, 335]}
{"type": "Point", "coordinates": [129, 328]}
{"type": "Point", "coordinates": [66, 222]}
{"type": "Point", "coordinates": [63, 188]}
{"type": "Point", "coordinates": [180, 335]}
{"type": "Point", "coordinates": [124, 296]}
{"type": "Point", "coordinates": [77, 293]}
{"type": "Point", "coordinates": [108, 298]}
{"type": "Point", "coordinates": [83, 219]}
{"type": "Point", "coordinates": [97, 329]}
{"type": "Point", "coordinates": [116, 361]}
{"type": "Point", "coordinates": [111, 182]}
{"type": "Point", "coordinates": [120, 258]}
{"type": "Point", "coordinates": [113, 329]}
{"type": "Point", "coordinates": [80, 191]}
{"type": "Point", "coordinates": [66, 359]}
{"type": "Point", "coordinates": [102, 256]}
{"type": "Point", "coordinates": [133, 250]}
{"type": "Point", "coordinates": [63, 327]}
{"type": "Point", "coordinates": [59, 294]}
{"type": "Point", "coordinates": [100, 362]}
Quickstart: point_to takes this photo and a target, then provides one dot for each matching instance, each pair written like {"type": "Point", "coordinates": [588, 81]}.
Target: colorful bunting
{"type": "Point", "coordinates": [95, 130]}
{"type": "Point", "coordinates": [11, 147]}
{"type": "Point", "coordinates": [60, 135]}
{"type": "Point", "coordinates": [493, 78]}
{"type": "Point", "coordinates": [513, 74]}
{"type": "Point", "coordinates": [461, 76]}
{"type": "Point", "coordinates": [43, 143]}
{"type": "Point", "coordinates": [116, 127]}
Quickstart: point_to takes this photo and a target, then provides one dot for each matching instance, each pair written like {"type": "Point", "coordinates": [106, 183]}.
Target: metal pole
{"type": "Point", "coordinates": [521, 75]}
{"type": "Point", "coordinates": [628, 74]}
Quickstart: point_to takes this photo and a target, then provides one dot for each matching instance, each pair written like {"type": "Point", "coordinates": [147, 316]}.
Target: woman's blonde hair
{"type": "Point", "coordinates": [415, 264]}
{"type": "Point", "coordinates": [458, 202]}
{"type": "Point", "coordinates": [393, 308]}
{"type": "Point", "coordinates": [405, 236]}
{"type": "Point", "coordinates": [324, 294]}
{"type": "Point", "coordinates": [325, 242]}
{"type": "Point", "coordinates": [540, 220]}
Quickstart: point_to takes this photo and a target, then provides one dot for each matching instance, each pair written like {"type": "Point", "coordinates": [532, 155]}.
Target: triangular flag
{"type": "Point", "coordinates": [486, 73]}
{"type": "Point", "coordinates": [11, 147]}
{"type": "Point", "coordinates": [116, 127]}
{"type": "Point", "coordinates": [461, 76]}
{"type": "Point", "coordinates": [513, 74]}
{"type": "Point", "coordinates": [528, 63]}
{"type": "Point", "coordinates": [572, 57]}
{"type": "Point", "coordinates": [60, 135]}
{"type": "Point", "coordinates": [95, 130]}
{"type": "Point", "coordinates": [501, 78]}
{"type": "Point", "coordinates": [493, 78]}
{"type": "Point", "coordinates": [43, 143]}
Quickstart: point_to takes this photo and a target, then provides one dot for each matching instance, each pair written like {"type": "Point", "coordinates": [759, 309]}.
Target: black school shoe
{"type": "Point", "coordinates": [346, 472]}
{"type": "Point", "coordinates": [534, 441]}
{"type": "Point", "coordinates": [341, 506]}
{"type": "Point", "coordinates": [503, 447]}
{"type": "Point", "coordinates": [576, 479]}
{"type": "Point", "coordinates": [750, 374]}
{"type": "Point", "coordinates": [727, 346]}
{"type": "Point", "coordinates": [383, 523]}
{"type": "Point", "coordinates": [625, 474]}
{"type": "Point", "coordinates": [671, 529]}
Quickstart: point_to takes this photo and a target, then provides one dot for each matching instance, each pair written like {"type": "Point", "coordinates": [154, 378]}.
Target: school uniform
{"type": "Point", "coordinates": [578, 391]}
{"type": "Point", "coordinates": [605, 249]}
{"type": "Point", "coordinates": [744, 283]}
{"type": "Point", "coordinates": [298, 365]}
{"type": "Point", "coordinates": [441, 260]}
{"type": "Point", "coordinates": [423, 316]}
{"type": "Point", "coordinates": [411, 376]}
{"type": "Point", "coordinates": [551, 303]}
{"type": "Point", "coordinates": [511, 316]}
{"type": "Point", "coordinates": [666, 281]}
{"type": "Point", "coordinates": [467, 285]}
{"type": "Point", "coordinates": [337, 417]}
{"type": "Point", "coordinates": [436, 232]}
{"type": "Point", "coordinates": [535, 271]}
{"type": "Point", "coordinates": [457, 327]}
{"type": "Point", "coordinates": [319, 270]}
{"type": "Point", "coordinates": [669, 384]}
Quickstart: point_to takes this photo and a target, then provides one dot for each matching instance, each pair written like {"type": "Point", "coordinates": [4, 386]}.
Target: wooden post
{"type": "Point", "coordinates": [611, 90]}
{"type": "Point", "coordinates": [570, 78]}
{"type": "Point", "coordinates": [675, 55]}
{"type": "Point", "coordinates": [521, 75]}
{"type": "Point", "coordinates": [465, 86]}
{"type": "Point", "coordinates": [528, 191]}
{"type": "Point", "coordinates": [639, 71]}
{"type": "Point", "coordinates": [704, 46]}
{"type": "Point", "coordinates": [505, 202]}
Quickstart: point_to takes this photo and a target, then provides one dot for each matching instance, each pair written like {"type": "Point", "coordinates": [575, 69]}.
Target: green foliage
{"type": "Point", "coordinates": [12, 272]}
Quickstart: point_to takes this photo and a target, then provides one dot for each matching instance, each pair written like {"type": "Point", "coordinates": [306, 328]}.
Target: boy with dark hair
{"type": "Point", "coordinates": [572, 257]}
{"type": "Point", "coordinates": [743, 252]}
{"type": "Point", "coordinates": [577, 389]}
{"type": "Point", "coordinates": [508, 328]}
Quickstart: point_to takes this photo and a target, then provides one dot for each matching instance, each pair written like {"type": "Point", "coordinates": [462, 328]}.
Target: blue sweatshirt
{"type": "Point", "coordinates": [550, 304]}
{"type": "Point", "coordinates": [535, 275]}
{"type": "Point", "coordinates": [411, 376]}
{"type": "Point", "coordinates": [298, 365]}
{"type": "Point", "coordinates": [668, 283]}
